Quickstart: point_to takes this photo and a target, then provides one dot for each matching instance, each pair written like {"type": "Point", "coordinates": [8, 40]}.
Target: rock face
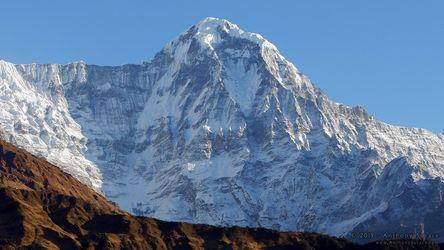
{"type": "Point", "coordinates": [45, 208]}
{"type": "Point", "coordinates": [219, 128]}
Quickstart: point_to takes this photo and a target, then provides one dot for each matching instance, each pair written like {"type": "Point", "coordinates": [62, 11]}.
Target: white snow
{"type": "Point", "coordinates": [208, 32]}
{"type": "Point", "coordinates": [242, 83]}
{"type": "Point", "coordinates": [34, 119]}
{"type": "Point", "coordinates": [105, 87]}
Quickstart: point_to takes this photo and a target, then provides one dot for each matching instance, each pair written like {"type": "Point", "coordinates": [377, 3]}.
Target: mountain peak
{"type": "Point", "coordinates": [218, 117]}
{"type": "Point", "coordinates": [211, 31]}
{"type": "Point", "coordinates": [212, 24]}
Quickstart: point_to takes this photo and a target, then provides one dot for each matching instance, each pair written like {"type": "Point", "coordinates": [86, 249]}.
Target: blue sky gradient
{"type": "Point", "coordinates": [387, 56]}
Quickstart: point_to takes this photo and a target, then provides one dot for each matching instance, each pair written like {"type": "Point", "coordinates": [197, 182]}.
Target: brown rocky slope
{"type": "Point", "coordinates": [42, 207]}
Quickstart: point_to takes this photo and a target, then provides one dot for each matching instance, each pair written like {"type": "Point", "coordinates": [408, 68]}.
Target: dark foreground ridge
{"type": "Point", "coordinates": [44, 208]}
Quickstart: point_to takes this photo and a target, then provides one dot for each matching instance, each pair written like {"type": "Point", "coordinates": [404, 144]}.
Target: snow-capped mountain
{"type": "Point", "coordinates": [220, 128]}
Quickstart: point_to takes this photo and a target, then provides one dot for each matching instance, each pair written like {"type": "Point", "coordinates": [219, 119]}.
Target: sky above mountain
{"type": "Point", "coordinates": [384, 55]}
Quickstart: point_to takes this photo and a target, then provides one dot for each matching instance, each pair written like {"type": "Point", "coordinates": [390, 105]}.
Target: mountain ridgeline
{"type": "Point", "coordinates": [219, 128]}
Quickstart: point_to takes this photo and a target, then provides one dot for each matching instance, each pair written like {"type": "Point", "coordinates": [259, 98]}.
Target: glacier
{"type": "Point", "coordinates": [219, 128]}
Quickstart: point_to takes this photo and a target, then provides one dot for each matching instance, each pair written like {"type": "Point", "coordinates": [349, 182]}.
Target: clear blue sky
{"type": "Point", "coordinates": [387, 56]}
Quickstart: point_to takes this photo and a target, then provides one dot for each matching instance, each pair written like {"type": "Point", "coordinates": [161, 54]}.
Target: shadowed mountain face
{"type": "Point", "coordinates": [43, 207]}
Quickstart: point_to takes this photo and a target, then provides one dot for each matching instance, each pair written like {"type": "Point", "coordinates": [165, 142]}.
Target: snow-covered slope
{"type": "Point", "coordinates": [34, 114]}
{"type": "Point", "coordinates": [220, 128]}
